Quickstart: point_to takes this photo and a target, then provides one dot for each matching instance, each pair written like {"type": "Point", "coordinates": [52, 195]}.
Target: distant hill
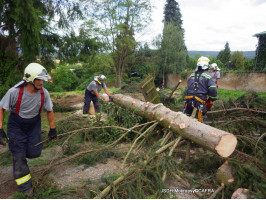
{"type": "Point", "coordinates": [248, 54]}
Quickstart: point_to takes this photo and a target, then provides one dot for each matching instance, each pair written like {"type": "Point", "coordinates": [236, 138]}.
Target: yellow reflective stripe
{"type": "Point", "coordinates": [200, 117]}
{"type": "Point", "coordinates": [24, 179]}
{"type": "Point", "coordinates": [212, 86]}
{"type": "Point", "coordinates": [206, 75]}
{"type": "Point", "coordinates": [197, 98]}
{"type": "Point", "coordinates": [188, 97]}
{"type": "Point", "coordinates": [99, 82]}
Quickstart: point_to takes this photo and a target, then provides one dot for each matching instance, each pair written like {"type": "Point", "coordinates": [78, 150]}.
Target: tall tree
{"type": "Point", "coordinates": [121, 19]}
{"type": "Point", "coordinates": [173, 51]}
{"type": "Point", "coordinates": [172, 13]}
{"type": "Point", "coordinates": [238, 60]}
{"type": "Point", "coordinates": [26, 32]}
{"type": "Point", "coordinates": [260, 63]}
{"type": "Point", "coordinates": [28, 22]}
{"type": "Point", "coordinates": [224, 55]}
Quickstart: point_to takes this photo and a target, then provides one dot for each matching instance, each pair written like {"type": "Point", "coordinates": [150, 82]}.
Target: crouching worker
{"type": "Point", "coordinates": [200, 85]}
{"type": "Point", "coordinates": [25, 101]}
{"type": "Point", "coordinates": [92, 94]}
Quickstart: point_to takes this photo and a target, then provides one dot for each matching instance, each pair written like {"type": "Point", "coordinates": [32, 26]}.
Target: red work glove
{"type": "Point", "coordinates": [209, 104]}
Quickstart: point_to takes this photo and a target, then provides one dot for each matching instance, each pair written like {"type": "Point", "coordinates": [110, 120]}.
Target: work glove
{"type": "Point", "coordinates": [52, 134]}
{"type": "Point", "coordinates": [2, 136]}
{"type": "Point", "coordinates": [209, 104]}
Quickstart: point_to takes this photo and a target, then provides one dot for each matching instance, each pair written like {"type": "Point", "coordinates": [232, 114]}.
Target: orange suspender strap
{"type": "Point", "coordinates": [21, 90]}
{"type": "Point", "coordinates": [42, 100]}
{"type": "Point", "coordinates": [214, 73]}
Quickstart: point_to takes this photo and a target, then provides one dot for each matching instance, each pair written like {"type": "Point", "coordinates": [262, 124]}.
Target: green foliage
{"type": "Point", "coordinates": [121, 20]}
{"type": "Point", "coordinates": [59, 108]}
{"type": "Point", "coordinates": [143, 63]}
{"type": "Point", "coordinates": [131, 87]}
{"type": "Point", "coordinates": [91, 159]}
{"type": "Point", "coordinates": [238, 60]}
{"type": "Point", "coordinates": [6, 159]}
{"type": "Point", "coordinates": [192, 63]}
{"type": "Point", "coordinates": [28, 23]}
{"type": "Point", "coordinates": [65, 78]}
{"type": "Point", "coordinates": [261, 54]}
{"type": "Point", "coordinates": [172, 53]}
{"type": "Point", "coordinates": [10, 66]}
{"type": "Point", "coordinates": [218, 62]}
{"type": "Point", "coordinates": [125, 117]}
{"type": "Point", "coordinates": [224, 55]}
{"type": "Point", "coordinates": [248, 176]}
{"type": "Point", "coordinates": [75, 48]}
{"type": "Point", "coordinates": [101, 64]}
{"type": "Point", "coordinates": [172, 13]}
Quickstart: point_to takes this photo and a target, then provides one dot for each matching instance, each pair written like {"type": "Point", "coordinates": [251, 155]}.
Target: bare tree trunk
{"type": "Point", "coordinates": [218, 141]}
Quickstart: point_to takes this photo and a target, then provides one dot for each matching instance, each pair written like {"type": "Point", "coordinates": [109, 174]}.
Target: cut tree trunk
{"type": "Point", "coordinates": [218, 141]}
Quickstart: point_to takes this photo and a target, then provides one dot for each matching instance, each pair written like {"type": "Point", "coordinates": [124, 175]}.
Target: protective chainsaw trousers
{"type": "Point", "coordinates": [87, 101]}
{"type": "Point", "coordinates": [23, 134]}
{"type": "Point", "coordinates": [190, 104]}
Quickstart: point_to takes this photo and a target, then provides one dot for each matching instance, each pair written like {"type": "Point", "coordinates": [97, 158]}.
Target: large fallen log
{"type": "Point", "coordinates": [218, 141]}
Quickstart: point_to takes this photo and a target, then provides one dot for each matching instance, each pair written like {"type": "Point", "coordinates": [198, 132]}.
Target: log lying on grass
{"type": "Point", "coordinates": [216, 140]}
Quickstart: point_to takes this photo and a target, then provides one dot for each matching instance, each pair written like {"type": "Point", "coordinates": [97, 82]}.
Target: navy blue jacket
{"type": "Point", "coordinates": [204, 87]}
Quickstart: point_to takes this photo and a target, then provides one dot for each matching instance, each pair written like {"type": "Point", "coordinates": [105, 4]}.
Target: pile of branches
{"type": "Point", "coordinates": [153, 156]}
{"type": "Point", "coordinates": [244, 117]}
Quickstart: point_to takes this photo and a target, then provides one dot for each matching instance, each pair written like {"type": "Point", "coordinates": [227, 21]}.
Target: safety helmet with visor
{"type": "Point", "coordinates": [203, 63]}
{"type": "Point", "coordinates": [100, 79]}
{"type": "Point", "coordinates": [215, 67]}
{"type": "Point", "coordinates": [35, 71]}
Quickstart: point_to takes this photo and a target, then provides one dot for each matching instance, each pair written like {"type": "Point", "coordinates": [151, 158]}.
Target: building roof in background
{"type": "Point", "coordinates": [259, 34]}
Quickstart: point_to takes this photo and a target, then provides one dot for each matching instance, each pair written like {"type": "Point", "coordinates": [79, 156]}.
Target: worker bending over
{"type": "Point", "coordinates": [92, 94]}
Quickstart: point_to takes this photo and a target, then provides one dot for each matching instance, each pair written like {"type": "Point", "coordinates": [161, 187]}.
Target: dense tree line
{"type": "Point", "coordinates": [101, 36]}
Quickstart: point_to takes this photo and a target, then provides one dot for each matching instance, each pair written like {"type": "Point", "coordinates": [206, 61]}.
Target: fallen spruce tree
{"type": "Point", "coordinates": [218, 141]}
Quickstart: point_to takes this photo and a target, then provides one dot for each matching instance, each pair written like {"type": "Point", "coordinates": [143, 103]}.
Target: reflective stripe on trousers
{"type": "Point", "coordinates": [24, 179]}
{"type": "Point", "coordinates": [23, 134]}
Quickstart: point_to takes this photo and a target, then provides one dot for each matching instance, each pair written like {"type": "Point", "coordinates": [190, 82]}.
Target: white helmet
{"type": "Point", "coordinates": [203, 62]}
{"type": "Point", "coordinates": [214, 66]}
{"type": "Point", "coordinates": [35, 71]}
{"type": "Point", "coordinates": [100, 78]}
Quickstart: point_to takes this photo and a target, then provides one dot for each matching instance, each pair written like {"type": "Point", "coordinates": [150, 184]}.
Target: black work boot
{"type": "Point", "coordinates": [28, 192]}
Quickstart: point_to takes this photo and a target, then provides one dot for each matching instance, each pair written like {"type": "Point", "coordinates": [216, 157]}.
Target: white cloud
{"type": "Point", "coordinates": [209, 24]}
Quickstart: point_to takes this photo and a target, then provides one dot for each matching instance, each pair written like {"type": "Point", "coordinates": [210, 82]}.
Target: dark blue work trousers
{"type": "Point", "coordinates": [190, 104]}
{"type": "Point", "coordinates": [87, 101]}
{"type": "Point", "coordinates": [23, 134]}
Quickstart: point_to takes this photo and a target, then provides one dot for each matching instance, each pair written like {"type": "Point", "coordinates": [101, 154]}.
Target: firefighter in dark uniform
{"type": "Point", "coordinates": [92, 94]}
{"type": "Point", "coordinates": [201, 90]}
{"type": "Point", "coordinates": [25, 101]}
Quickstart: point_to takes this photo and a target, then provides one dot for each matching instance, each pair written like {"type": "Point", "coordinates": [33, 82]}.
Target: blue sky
{"type": "Point", "coordinates": [209, 24]}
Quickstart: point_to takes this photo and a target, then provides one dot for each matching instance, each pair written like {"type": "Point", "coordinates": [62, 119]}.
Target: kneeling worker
{"type": "Point", "coordinates": [200, 85]}
{"type": "Point", "coordinates": [25, 101]}
{"type": "Point", "coordinates": [92, 94]}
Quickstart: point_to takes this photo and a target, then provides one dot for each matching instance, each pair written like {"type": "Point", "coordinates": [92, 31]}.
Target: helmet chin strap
{"type": "Point", "coordinates": [34, 86]}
